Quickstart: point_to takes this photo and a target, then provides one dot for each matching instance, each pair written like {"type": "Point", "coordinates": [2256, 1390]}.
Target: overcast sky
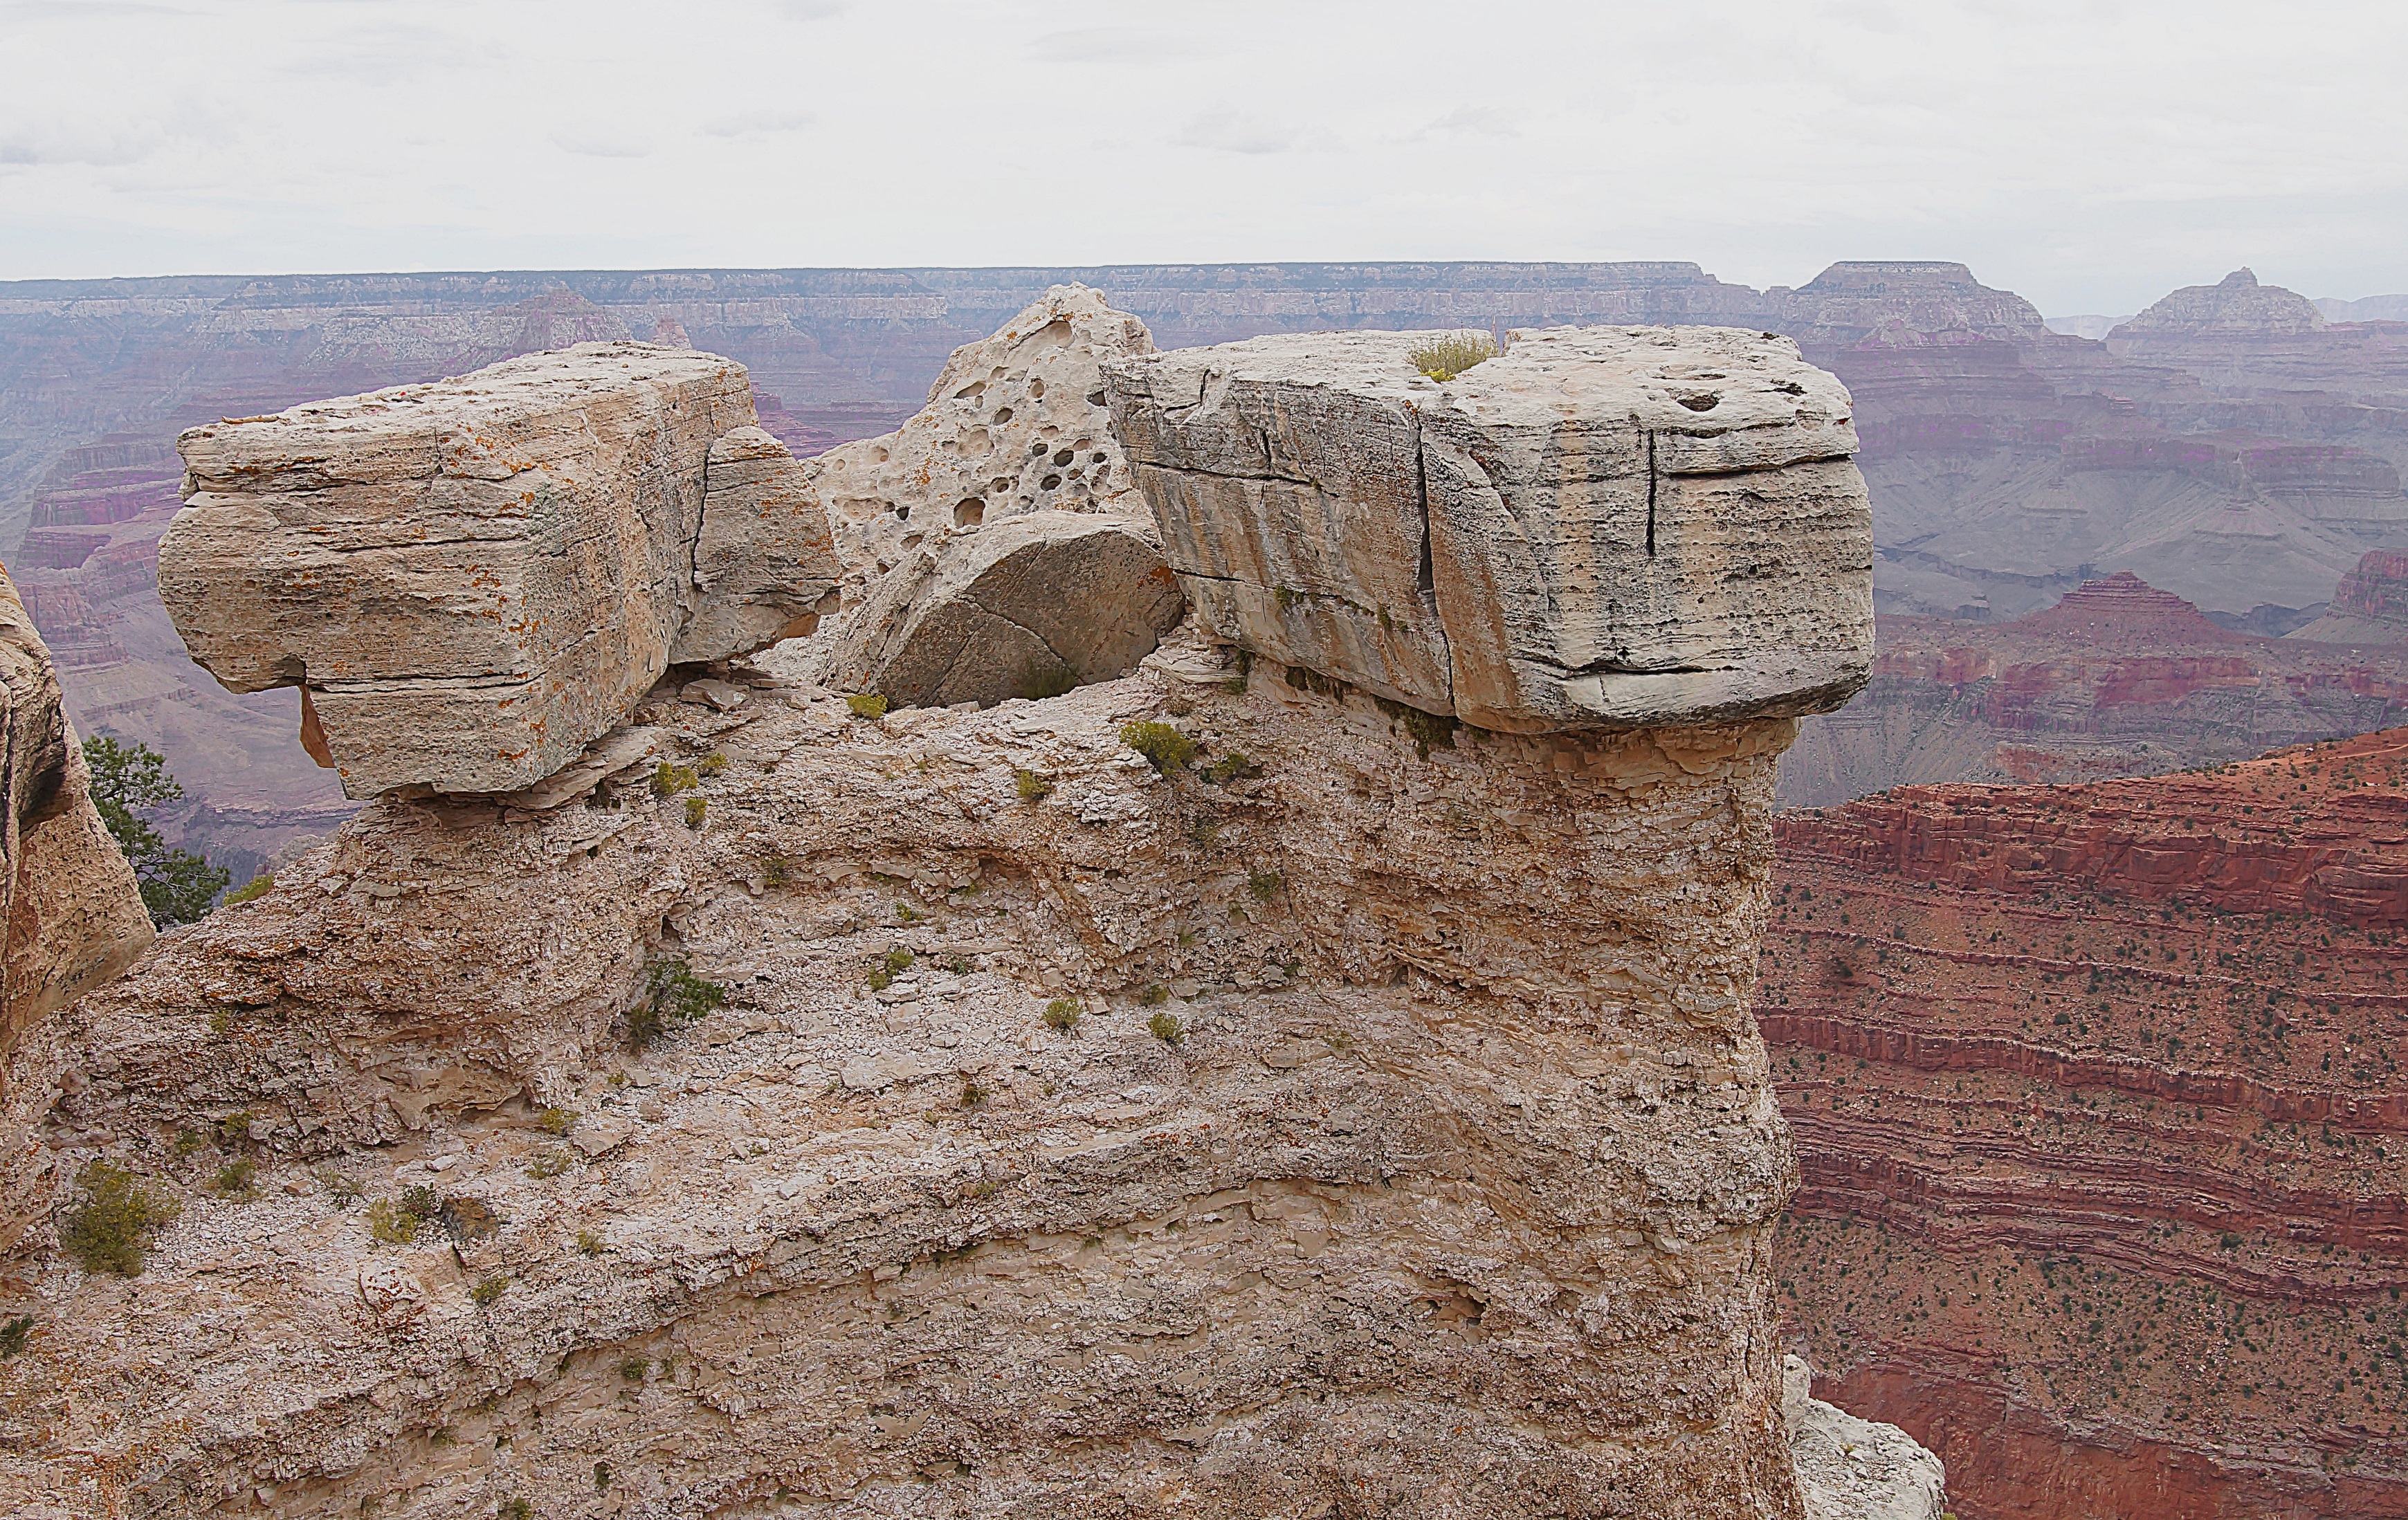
{"type": "Point", "coordinates": [2090, 155]}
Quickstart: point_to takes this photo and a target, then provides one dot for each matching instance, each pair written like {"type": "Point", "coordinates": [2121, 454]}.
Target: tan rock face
{"type": "Point", "coordinates": [1015, 424]}
{"type": "Point", "coordinates": [995, 545]}
{"type": "Point", "coordinates": [1411, 1149]}
{"type": "Point", "coordinates": [73, 910]}
{"type": "Point", "coordinates": [473, 579]}
{"type": "Point", "coordinates": [1602, 526]}
{"type": "Point", "coordinates": [1031, 607]}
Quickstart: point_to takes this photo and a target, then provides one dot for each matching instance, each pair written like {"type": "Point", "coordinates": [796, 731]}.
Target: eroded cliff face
{"type": "Point", "coordinates": [2097, 1105]}
{"type": "Point", "coordinates": [1442, 1184]}
{"type": "Point", "coordinates": [73, 913]}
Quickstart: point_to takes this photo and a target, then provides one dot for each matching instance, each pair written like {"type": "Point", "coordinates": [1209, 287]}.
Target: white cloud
{"type": "Point", "coordinates": [603, 140]}
{"type": "Point", "coordinates": [1111, 45]}
{"type": "Point", "coordinates": [1227, 131]}
{"type": "Point", "coordinates": [757, 123]}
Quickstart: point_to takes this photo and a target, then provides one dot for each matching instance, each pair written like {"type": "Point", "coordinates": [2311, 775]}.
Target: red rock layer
{"type": "Point", "coordinates": [2103, 1133]}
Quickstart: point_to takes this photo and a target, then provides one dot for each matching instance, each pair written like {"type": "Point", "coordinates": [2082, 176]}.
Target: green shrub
{"type": "Point", "coordinates": [13, 1332]}
{"type": "Point", "coordinates": [898, 960]}
{"type": "Point", "coordinates": [695, 808]}
{"type": "Point", "coordinates": [1264, 885]}
{"type": "Point", "coordinates": [186, 1143]}
{"type": "Point", "coordinates": [487, 1290]}
{"type": "Point", "coordinates": [1165, 1027]}
{"type": "Point", "coordinates": [668, 780]}
{"type": "Point", "coordinates": [556, 1121]}
{"type": "Point", "coordinates": [517, 1508]}
{"type": "Point", "coordinates": [776, 870]}
{"type": "Point", "coordinates": [633, 1368]}
{"type": "Point", "coordinates": [870, 705]}
{"type": "Point", "coordinates": [1229, 768]}
{"type": "Point", "coordinates": [110, 1226]}
{"type": "Point", "coordinates": [711, 764]}
{"type": "Point", "coordinates": [234, 1178]}
{"type": "Point", "coordinates": [1156, 995]}
{"type": "Point", "coordinates": [398, 1221]}
{"type": "Point", "coordinates": [1160, 743]}
{"type": "Point", "coordinates": [1063, 1014]}
{"type": "Point", "coordinates": [588, 1244]}
{"type": "Point", "coordinates": [548, 1164]}
{"type": "Point", "coordinates": [341, 1191]}
{"type": "Point", "coordinates": [972, 1094]}
{"type": "Point", "coordinates": [235, 1128]}
{"type": "Point", "coordinates": [673, 994]}
{"type": "Point", "coordinates": [254, 888]}
{"type": "Point", "coordinates": [1443, 358]}
{"type": "Point", "coordinates": [1032, 787]}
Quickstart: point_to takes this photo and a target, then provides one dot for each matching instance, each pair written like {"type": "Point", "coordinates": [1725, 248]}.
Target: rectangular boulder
{"type": "Point", "coordinates": [472, 579]}
{"type": "Point", "coordinates": [1600, 528]}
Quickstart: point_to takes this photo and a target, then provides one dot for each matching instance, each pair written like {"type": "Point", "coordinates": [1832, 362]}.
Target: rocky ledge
{"type": "Point", "coordinates": [1243, 1086]}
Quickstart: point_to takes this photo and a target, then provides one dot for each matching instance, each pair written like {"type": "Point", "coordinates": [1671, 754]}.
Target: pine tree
{"type": "Point", "coordinates": [128, 781]}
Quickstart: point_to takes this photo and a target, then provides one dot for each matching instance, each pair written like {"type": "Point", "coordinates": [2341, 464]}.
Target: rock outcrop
{"type": "Point", "coordinates": [1218, 1087]}
{"type": "Point", "coordinates": [73, 912]}
{"type": "Point", "coordinates": [995, 543]}
{"type": "Point", "coordinates": [472, 581]}
{"type": "Point", "coordinates": [1032, 606]}
{"type": "Point", "coordinates": [1851, 1468]}
{"type": "Point", "coordinates": [1599, 526]}
{"type": "Point", "coordinates": [2370, 606]}
{"type": "Point", "coordinates": [2099, 1109]}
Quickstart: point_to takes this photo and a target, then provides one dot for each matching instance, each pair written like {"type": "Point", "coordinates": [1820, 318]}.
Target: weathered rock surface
{"type": "Point", "coordinates": [764, 565]}
{"type": "Point", "coordinates": [2118, 679]}
{"type": "Point", "coordinates": [1851, 1468]}
{"type": "Point", "coordinates": [1601, 526]}
{"type": "Point", "coordinates": [2370, 606]}
{"type": "Point", "coordinates": [2098, 1107]}
{"type": "Point", "coordinates": [1442, 1185]}
{"type": "Point", "coordinates": [471, 580]}
{"type": "Point", "coordinates": [994, 544]}
{"type": "Point", "coordinates": [1031, 607]}
{"type": "Point", "coordinates": [73, 912]}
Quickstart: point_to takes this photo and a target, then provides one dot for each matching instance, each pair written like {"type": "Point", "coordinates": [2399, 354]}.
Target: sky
{"type": "Point", "coordinates": [2090, 155]}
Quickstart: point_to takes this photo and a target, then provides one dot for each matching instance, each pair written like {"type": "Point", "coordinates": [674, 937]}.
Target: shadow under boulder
{"type": "Point", "coordinates": [1041, 604]}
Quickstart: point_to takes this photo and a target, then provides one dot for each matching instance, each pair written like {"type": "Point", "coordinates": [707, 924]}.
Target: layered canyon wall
{"type": "Point", "coordinates": [1220, 1088]}
{"type": "Point", "coordinates": [2097, 1109]}
{"type": "Point", "coordinates": [2118, 679]}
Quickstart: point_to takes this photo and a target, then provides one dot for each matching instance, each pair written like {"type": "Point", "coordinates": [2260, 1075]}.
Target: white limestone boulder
{"type": "Point", "coordinates": [1036, 605]}
{"type": "Point", "coordinates": [1599, 528]}
{"type": "Point", "coordinates": [471, 580]}
{"type": "Point", "coordinates": [1015, 424]}
{"type": "Point", "coordinates": [1854, 1468]}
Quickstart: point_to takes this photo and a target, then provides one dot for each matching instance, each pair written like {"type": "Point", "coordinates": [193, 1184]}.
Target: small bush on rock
{"type": "Point", "coordinates": [1264, 885]}
{"type": "Point", "coordinates": [668, 780]}
{"type": "Point", "coordinates": [1063, 1014]}
{"type": "Point", "coordinates": [110, 1226]}
{"type": "Point", "coordinates": [1156, 995]}
{"type": "Point", "coordinates": [1165, 1027]}
{"type": "Point", "coordinates": [233, 1179]}
{"type": "Point", "coordinates": [1444, 358]}
{"type": "Point", "coordinates": [1041, 677]}
{"type": "Point", "coordinates": [556, 1121]}
{"type": "Point", "coordinates": [694, 810]}
{"type": "Point", "coordinates": [870, 705]}
{"type": "Point", "coordinates": [1165, 746]}
{"type": "Point", "coordinates": [673, 994]}
{"type": "Point", "coordinates": [487, 1290]}
{"type": "Point", "coordinates": [13, 1333]}
{"type": "Point", "coordinates": [252, 890]}
{"type": "Point", "coordinates": [1031, 786]}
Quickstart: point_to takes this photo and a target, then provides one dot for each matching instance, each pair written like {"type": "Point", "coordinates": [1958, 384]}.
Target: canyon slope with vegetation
{"type": "Point", "coordinates": [2097, 1094]}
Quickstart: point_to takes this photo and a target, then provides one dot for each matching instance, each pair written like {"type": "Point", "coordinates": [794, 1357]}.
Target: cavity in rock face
{"type": "Point", "coordinates": [1599, 527]}
{"type": "Point", "coordinates": [73, 911]}
{"type": "Point", "coordinates": [471, 580]}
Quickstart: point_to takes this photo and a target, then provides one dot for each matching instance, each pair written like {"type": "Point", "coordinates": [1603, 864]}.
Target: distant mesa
{"type": "Point", "coordinates": [2236, 304]}
{"type": "Point", "coordinates": [2123, 609]}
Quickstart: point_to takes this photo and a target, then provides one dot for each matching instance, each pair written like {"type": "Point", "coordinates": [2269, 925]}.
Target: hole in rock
{"type": "Point", "coordinates": [1003, 416]}
{"type": "Point", "coordinates": [1064, 457]}
{"type": "Point", "coordinates": [1095, 398]}
{"type": "Point", "coordinates": [969, 512]}
{"type": "Point", "coordinates": [902, 511]}
{"type": "Point", "coordinates": [1048, 482]}
{"type": "Point", "coordinates": [1037, 387]}
{"type": "Point", "coordinates": [1099, 456]}
{"type": "Point", "coordinates": [1700, 402]}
